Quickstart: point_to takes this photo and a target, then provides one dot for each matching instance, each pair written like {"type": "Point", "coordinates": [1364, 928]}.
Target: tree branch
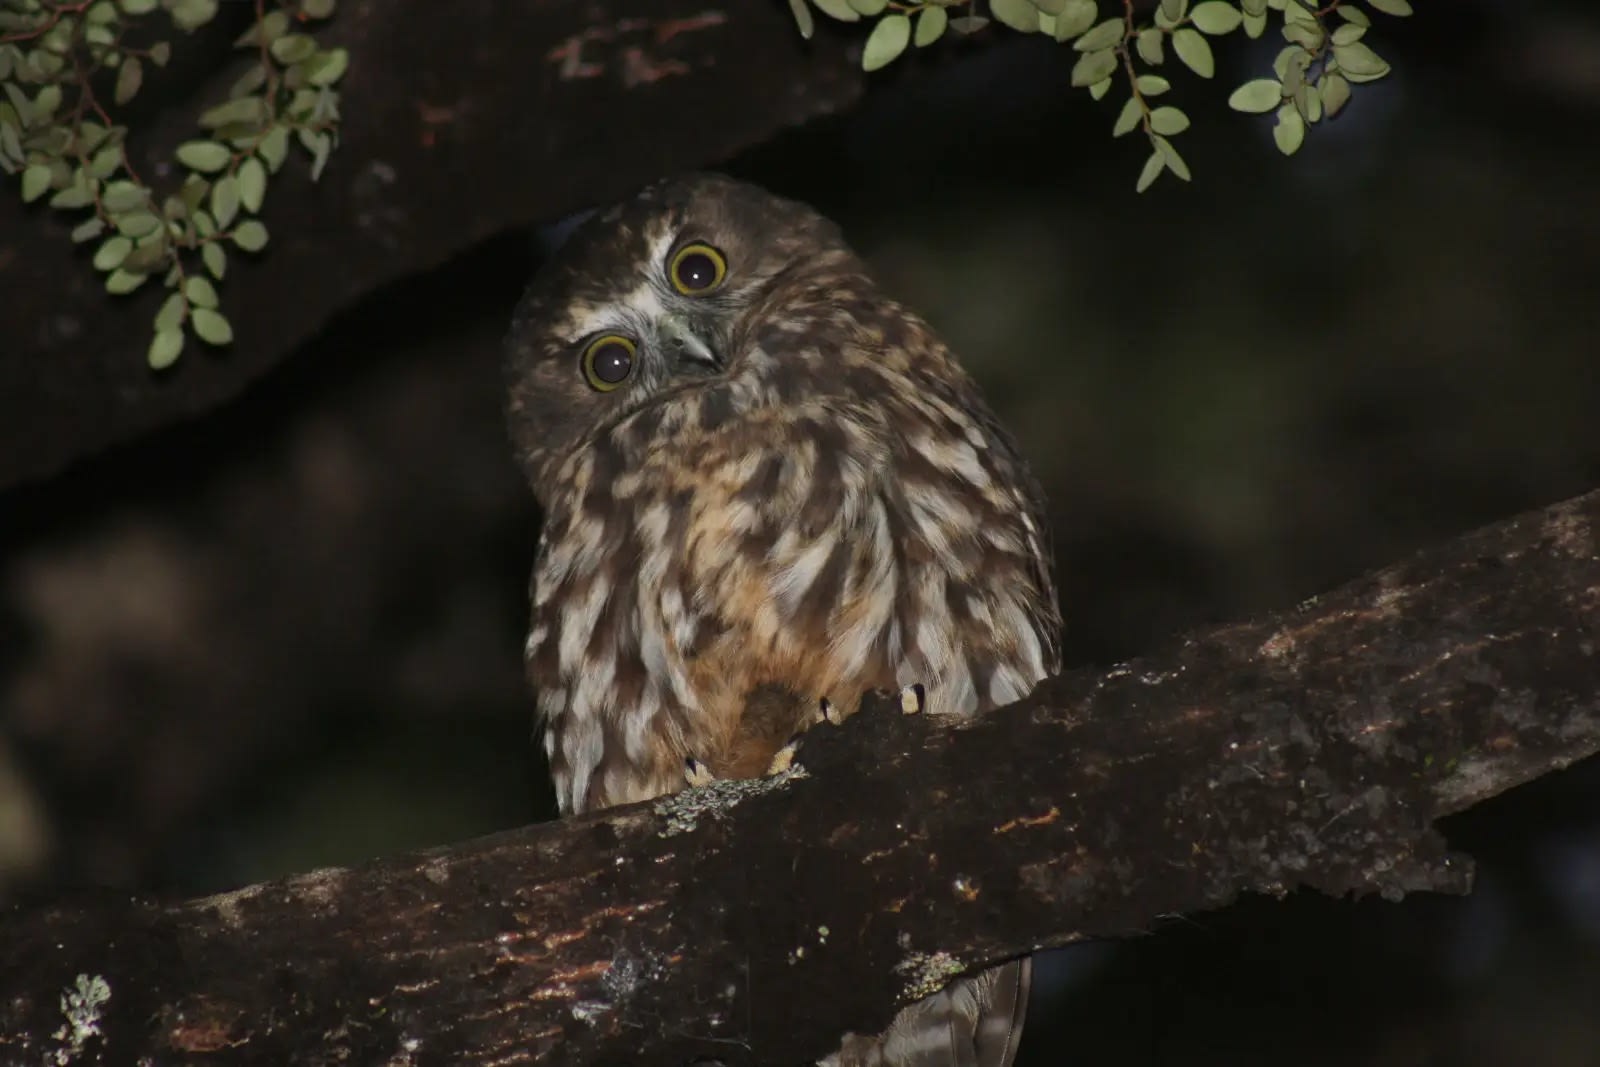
{"type": "Point", "coordinates": [460, 122]}
{"type": "Point", "coordinates": [753, 922]}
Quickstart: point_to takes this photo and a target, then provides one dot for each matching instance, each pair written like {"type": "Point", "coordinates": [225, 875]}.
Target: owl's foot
{"type": "Point", "coordinates": [696, 774]}
{"type": "Point", "coordinates": [783, 759]}
{"type": "Point", "coordinates": [913, 698]}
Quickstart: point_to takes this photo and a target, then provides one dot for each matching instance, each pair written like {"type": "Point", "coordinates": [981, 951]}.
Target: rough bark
{"type": "Point", "coordinates": [460, 121]}
{"type": "Point", "coordinates": [753, 922]}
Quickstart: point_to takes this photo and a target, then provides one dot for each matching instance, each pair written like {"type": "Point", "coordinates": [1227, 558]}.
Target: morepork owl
{"type": "Point", "coordinates": [765, 486]}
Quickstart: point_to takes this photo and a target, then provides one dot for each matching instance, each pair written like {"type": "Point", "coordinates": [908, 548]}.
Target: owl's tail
{"type": "Point", "coordinates": [974, 1022]}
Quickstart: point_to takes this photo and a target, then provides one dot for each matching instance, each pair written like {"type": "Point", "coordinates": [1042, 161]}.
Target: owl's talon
{"type": "Point", "coordinates": [826, 713]}
{"type": "Point", "coordinates": [697, 774]}
{"type": "Point", "coordinates": [783, 759]}
{"type": "Point", "coordinates": [913, 698]}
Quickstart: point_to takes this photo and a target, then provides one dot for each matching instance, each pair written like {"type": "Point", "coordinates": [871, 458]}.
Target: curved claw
{"type": "Point", "coordinates": [697, 774]}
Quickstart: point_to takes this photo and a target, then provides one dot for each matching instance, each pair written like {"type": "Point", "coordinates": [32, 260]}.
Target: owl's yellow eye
{"type": "Point", "coordinates": [608, 360]}
{"type": "Point", "coordinates": [697, 269]}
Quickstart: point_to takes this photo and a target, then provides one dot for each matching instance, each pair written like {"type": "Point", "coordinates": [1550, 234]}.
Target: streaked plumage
{"type": "Point", "coordinates": [793, 492]}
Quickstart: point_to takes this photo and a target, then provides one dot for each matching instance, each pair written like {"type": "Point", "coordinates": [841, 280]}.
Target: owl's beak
{"type": "Point", "coordinates": [688, 347]}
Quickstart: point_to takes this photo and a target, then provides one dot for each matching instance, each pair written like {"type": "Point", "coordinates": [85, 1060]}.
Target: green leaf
{"type": "Point", "coordinates": [250, 235]}
{"type": "Point", "coordinates": [1050, 7]}
{"type": "Point", "coordinates": [1105, 35]}
{"type": "Point", "coordinates": [869, 8]}
{"type": "Point", "coordinates": [802, 19]}
{"type": "Point", "coordinates": [137, 7]}
{"type": "Point", "coordinates": [1149, 46]}
{"type": "Point", "coordinates": [1398, 8]}
{"type": "Point", "coordinates": [215, 258]}
{"type": "Point", "coordinates": [1168, 120]}
{"type": "Point", "coordinates": [129, 78]}
{"type": "Point", "coordinates": [252, 184]}
{"type": "Point", "coordinates": [966, 25]}
{"type": "Point", "coordinates": [274, 147]}
{"type": "Point", "coordinates": [112, 252]}
{"type": "Point", "coordinates": [1359, 59]}
{"type": "Point", "coordinates": [1309, 103]}
{"type": "Point", "coordinates": [1075, 17]}
{"type": "Point", "coordinates": [1172, 10]}
{"type": "Point", "coordinates": [321, 145]}
{"type": "Point", "coordinates": [174, 311]}
{"type": "Point", "coordinates": [47, 103]}
{"type": "Point", "coordinates": [211, 326]}
{"type": "Point", "coordinates": [837, 9]}
{"type": "Point", "coordinates": [1093, 67]}
{"type": "Point", "coordinates": [1152, 170]}
{"type": "Point", "coordinates": [1354, 15]}
{"type": "Point", "coordinates": [160, 53]}
{"type": "Point", "coordinates": [1349, 33]}
{"type": "Point", "coordinates": [1099, 89]}
{"type": "Point", "coordinates": [148, 253]}
{"type": "Point", "coordinates": [35, 182]}
{"type": "Point", "coordinates": [190, 15]}
{"type": "Point", "coordinates": [1257, 97]}
{"type": "Point", "coordinates": [1290, 131]}
{"type": "Point", "coordinates": [931, 24]}
{"type": "Point", "coordinates": [10, 141]}
{"type": "Point", "coordinates": [886, 41]}
{"type": "Point", "coordinates": [78, 195]}
{"type": "Point", "coordinates": [1018, 14]}
{"type": "Point", "coordinates": [165, 348]}
{"type": "Point", "coordinates": [207, 156]}
{"type": "Point", "coordinates": [317, 9]}
{"type": "Point", "coordinates": [325, 68]}
{"type": "Point", "coordinates": [1170, 156]}
{"type": "Point", "coordinates": [1128, 118]}
{"type": "Point", "coordinates": [105, 162]}
{"type": "Point", "coordinates": [1193, 50]}
{"type": "Point", "coordinates": [88, 230]}
{"type": "Point", "coordinates": [136, 224]}
{"type": "Point", "coordinates": [293, 47]}
{"type": "Point", "coordinates": [199, 292]}
{"type": "Point", "coordinates": [1152, 84]}
{"type": "Point", "coordinates": [1215, 17]}
{"type": "Point", "coordinates": [248, 109]}
{"type": "Point", "coordinates": [225, 200]}
{"type": "Point", "coordinates": [1335, 94]}
{"type": "Point", "coordinates": [1307, 36]}
{"type": "Point", "coordinates": [119, 197]}
{"type": "Point", "coordinates": [1254, 25]}
{"type": "Point", "coordinates": [123, 281]}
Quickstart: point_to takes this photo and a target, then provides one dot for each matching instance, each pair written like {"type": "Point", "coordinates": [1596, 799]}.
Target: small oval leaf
{"type": "Point", "coordinates": [205, 156]}
{"type": "Point", "coordinates": [1194, 51]}
{"type": "Point", "coordinates": [211, 326]}
{"type": "Point", "coordinates": [886, 41]}
{"type": "Point", "coordinates": [165, 348]}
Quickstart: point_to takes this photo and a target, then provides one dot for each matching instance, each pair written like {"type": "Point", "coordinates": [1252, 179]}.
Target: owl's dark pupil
{"type": "Point", "coordinates": [612, 362]}
{"type": "Point", "coordinates": [696, 271]}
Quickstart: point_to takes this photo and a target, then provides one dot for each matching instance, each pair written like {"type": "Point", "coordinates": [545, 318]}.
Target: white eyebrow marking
{"type": "Point", "coordinates": [640, 305]}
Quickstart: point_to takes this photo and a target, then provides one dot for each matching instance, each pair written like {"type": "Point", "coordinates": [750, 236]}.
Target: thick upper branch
{"type": "Point", "coordinates": [756, 921]}
{"type": "Point", "coordinates": [460, 121]}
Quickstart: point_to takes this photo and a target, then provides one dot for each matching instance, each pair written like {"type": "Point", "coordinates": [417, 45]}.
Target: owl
{"type": "Point", "coordinates": [767, 489]}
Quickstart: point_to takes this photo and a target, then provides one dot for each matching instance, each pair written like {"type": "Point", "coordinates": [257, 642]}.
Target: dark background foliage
{"type": "Point", "coordinates": [288, 633]}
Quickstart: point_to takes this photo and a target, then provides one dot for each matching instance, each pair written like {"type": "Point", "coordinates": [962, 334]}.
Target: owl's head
{"type": "Point", "coordinates": [657, 295]}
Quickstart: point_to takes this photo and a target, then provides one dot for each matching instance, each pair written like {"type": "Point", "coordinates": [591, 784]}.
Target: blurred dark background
{"type": "Point", "coordinates": [289, 634]}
